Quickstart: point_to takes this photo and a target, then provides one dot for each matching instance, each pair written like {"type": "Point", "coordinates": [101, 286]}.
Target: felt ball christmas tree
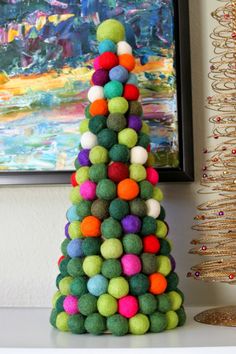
{"type": "Point", "coordinates": [116, 271]}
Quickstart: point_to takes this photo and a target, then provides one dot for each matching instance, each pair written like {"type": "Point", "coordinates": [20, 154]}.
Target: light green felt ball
{"type": "Point", "coordinates": [82, 174]}
{"type": "Point", "coordinates": [111, 29]}
{"type": "Point", "coordinates": [62, 321]}
{"type": "Point", "coordinates": [98, 154]}
{"type": "Point", "coordinates": [139, 324]}
{"type": "Point", "coordinates": [145, 128]}
{"type": "Point", "coordinates": [118, 287]}
{"type": "Point", "coordinates": [172, 319]}
{"type": "Point", "coordinates": [118, 105]}
{"type": "Point", "coordinates": [161, 229]}
{"type": "Point", "coordinates": [107, 305]}
{"type": "Point", "coordinates": [157, 194]}
{"type": "Point", "coordinates": [92, 265]}
{"type": "Point", "coordinates": [55, 298]}
{"type": "Point", "coordinates": [84, 126]}
{"type": "Point", "coordinates": [64, 285]}
{"type": "Point", "coordinates": [75, 196]}
{"type": "Point", "coordinates": [128, 137]}
{"type": "Point", "coordinates": [175, 299]}
{"type": "Point", "coordinates": [98, 172]}
{"type": "Point", "coordinates": [74, 229]}
{"type": "Point", "coordinates": [111, 248]}
{"type": "Point", "coordinates": [137, 172]}
{"type": "Point", "coordinates": [113, 89]}
{"type": "Point", "coordinates": [163, 265]}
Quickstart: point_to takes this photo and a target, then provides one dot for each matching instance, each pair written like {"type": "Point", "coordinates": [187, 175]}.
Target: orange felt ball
{"type": "Point", "coordinates": [158, 283]}
{"type": "Point", "coordinates": [128, 189]}
{"type": "Point", "coordinates": [91, 227]}
{"type": "Point", "coordinates": [127, 61]}
{"type": "Point", "coordinates": [99, 107]}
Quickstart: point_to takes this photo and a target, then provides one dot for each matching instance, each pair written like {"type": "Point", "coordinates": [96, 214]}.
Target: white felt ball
{"type": "Point", "coordinates": [138, 155]}
{"type": "Point", "coordinates": [88, 140]}
{"type": "Point", "coordinates": [95, 93]}
{"type": "Point", "coordinates": [123, 48]}
{"type": "Point", "coordinates": [153, 208]}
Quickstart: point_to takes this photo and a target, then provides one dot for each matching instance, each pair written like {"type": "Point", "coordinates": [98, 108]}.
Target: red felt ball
{"type": "Point", "coordinates": [73, 180]}
{"type": "Point", "coordinates": [149, 148]}
{"type": "Point", "coordinates": [108, 60]}
{"type": "Point", "coordinates": [131, 92]}
{"type": "Point", "coordinates": [151, 244]}
{"type": "Point", "coordinates": [118, 171]}
{"type": "Point", "coordinates": [60, 259]}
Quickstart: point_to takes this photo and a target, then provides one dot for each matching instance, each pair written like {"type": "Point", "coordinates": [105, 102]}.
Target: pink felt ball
{"type": "Point", "coordinates": [128, 306]}
{"type": "Point", "coordinates": [152, 175]}
{"type": "Point", "coordinates": [70, 304]}
{"type": "Point", "coordinates": [131, 264]}
{"type": "Point", "coordinates": [88, 190]}
{"type": "Point", "coordinates": [96, 63]}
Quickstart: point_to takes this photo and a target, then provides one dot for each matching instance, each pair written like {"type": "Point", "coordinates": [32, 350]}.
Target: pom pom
{"type": "Point", "coordinates": [98, 154]}
{"type": "Point", "coordinates": [118, 287]}
{"type": "Point", "coordinates": [97, 172]}
{"type": "Point", "coordinates": [90, 226]}
{"type": "Point", "coordinates": [135, 108]}
{"type": "Point", "coordinates": [165, 249]}
{"type": "Point", "coordinates": [76, 324]}
{"type": "Point", "coordinates": [118, 209]}
{"type": "Point", "coordinates": [97, 285]}
{"type": "Point", "coordinates": [119, 153]}
{"type": "Point", "coordinates": [53, 317]}
{"type": "Point", "coordinates": [99, 107]}
{"type": "Point", "coordinates": [117, 325]}
{"type": "Point", "coordinates": [95, 324]}
{"type": "Point", "coordinates": [111, 29]}
{"type": "Point", "coordinates": [111, 268]}
{"type": "Point", "coordinates": [151, 244]}
{"type": "Point", "coordinates": [75, 196]}
{"type": "Point", "coordinates": [131, 224]}
{"type": "Point", "coordinates": [127, 189]}
{"type": "Point", "coordinates": [137, 172]}
{"type": "Point", "coordinates": [74, 267]}
{"type": "Point", "coordinates": [134, 122]}
{"type": "Point", "coordinates": [88, 140]}
{"type": "Point", "coordinates": [149, 263]}
{"type": "Point", "coordinates": [128, 306]}
{"type": "Point", "coordinates": [138, 155]}
{"type": "Point", "coordinates": [74, 248]}
{"type": "Point", "coordinates": [163, 303]}
{"type": "Point", "coordinates": [100, 77]}
{"type": "Point", "coordinates": [132, 79]}
{"type": "Point", "coordinates": [147, 303]}
{"type": "Point", "coordinates": [70, 304]}
{"type": "Point", "coordinates": [64, 285]}
{"type": "Point", "coordinates": [113, 89]}
{"type": "Point", "coordinates": [78, 286]}
{"type": "Point", "coordinates": [131, 264]}
{"type": "Point", "coordinates": [146, 190]}
{"type": "Point", "coordinates": [111, 249]}
{"type": "Point", "coordinates": [175, 300]}
{"type": "Point", "coordinates": [97, 123]}
{"type": "Point", "coordinates": [152, 175]}
{"type": "Point", "coordinates": [138, 284]}
{"type": "Point", "coordinates": [148, 226]}
{"type": "Point", "coordinates": [131, 92]}
{"type": "Point", "coordinates": [83, 127]}
{"type": "Point", "coordinates": [73, 180]}
{"type": "Point", "coordinates": [132, 244]}
{"type": "Point", "coordinates": [139, 324]}
{"type": "Point", "coordinates": [107, 305]}
{"type": "Point", "coordinates": [158, 283]}
{"type": "Point", "coordinates": [158, 322]}
{"type": "Point", "coordinates": [95, 93]}
{"type": "Point", "coordinates": [116, 122]}
{"type": "Point", "coordinates": [82, 174]}
{"type": "Point", "coordinates": [163, 265]}
{"type": "Point", "coordinates": [60, 259]}
{"type": "Point", "coordinates": [83, 157]}
{"type": "Point", "coordinates": [64, 247]}
{"type": "Point", "coordinates": [157, 194]}
{"type": "Point", "coordinates": [96, 63]}
{"type": "Point", "coordinates": [91, 246]}
{"type": "Point", "coordinates": [161, 229]}
{"type": "Point", "coordinates": [108, 60]}
{"type": "Point", "coordinates": [106, 189]}
{"type": "Point", "coordinates": [107, 46]}
{"type": "Point", "coordinates": [123, 48]}
{"type": "Point", "coordinates": [172, 320]}
{"type": "Point", "coordinates": [143, 140]}
{"type": "Point", "coordinates": [63, 265]}
{"type": "Point", "coordinates": [181, 316]}
{"type": "Point", "coordinates": [138, 207]}
{"type": "Point", "coordinates": [119, 73]}
{"type": "Point", "coordinates": [127, 61]}
{"type": "Point", "coordinates": [88, 190]}
{"type": "Point", "coordinates": [74, 230]}
{"type": "Point", "coordinates": [62, 322]}
{"type": "Point", "coordinates": [128, 137]}
{"type": "Point", "coordinates": [117, 171]}
{"type": "Point", "coordinates": [153, 208]}
{"type": "Point", "coordinates": [87, 304]}
{"type": "Point", "coordinates": [100, 209]}
{"type": "Point", "coordinates": [118, 105]}
{"type": "Point", "coordinates": [111, 228]}
{"type": "Point", "coordinates": [107, 138]}
{"type": "Point", "coordinates": [92, 265]}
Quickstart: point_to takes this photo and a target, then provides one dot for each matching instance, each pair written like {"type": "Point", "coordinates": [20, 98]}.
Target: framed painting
{"type": "Point", "coordinates": [47, 49]}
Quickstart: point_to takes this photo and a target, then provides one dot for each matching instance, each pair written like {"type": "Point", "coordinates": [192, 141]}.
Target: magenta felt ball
{"type": "Point", "coordinates": [135, 122]}
{"type": "Point", "coordinates": [83, 157]}
{"type": "Point", "coordinates": [100, 77]}
{"type": "Point", "coordinates": [131, 224]}
{"type": "Point", "coordinates": [70, 304]}
{"type": "Point", "coordinates": [152, 175]}
{"type": "Point", "coordinates": [88, 190]}
{"type": "Point", "coordinates": [128, 306]}
{"type": "Point", "coordinates": [131, 264]}
{"type": "Point", "coordinates": [96, 63]}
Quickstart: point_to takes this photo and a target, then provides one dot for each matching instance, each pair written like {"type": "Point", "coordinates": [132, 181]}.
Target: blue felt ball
{"type": "Point", "coordinates": [97, 285]}
{"type": "Point", "coordinates": [119, 73]}
{"type": "Point", "coordinates": [72, 215]}
{"type": "Point", "coordinates": [74, 248]}
{"type": "Point", "coordinates": [132, 79]}
{"type": "Point", "coordinates": [106, 46]}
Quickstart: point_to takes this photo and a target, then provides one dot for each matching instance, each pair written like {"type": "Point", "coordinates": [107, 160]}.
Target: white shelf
{"type": "Point", "coordinates": [28, 330]}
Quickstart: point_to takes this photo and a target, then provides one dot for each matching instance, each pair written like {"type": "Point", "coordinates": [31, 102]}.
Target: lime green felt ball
{"type": "Point", "coordinates": [118, 105]}
{"type": "Point", "coordinates": [111, 228]}
{"type": "Point", "coordinates": [75, 196]}
{"type": "Point", "coordinates": [172, 281]}
{"type": "Point", "coordinates": [91, 246]}
{"type": "Point", "coordinates": [100, 209]}
{"type": "Point", "coordinates": [107, 305]}
{"type": "Point", "coordinates": [119, 152]}
{"type": "Point", "coordinates": [132, 243]}
{"type": "Point", "coordinates": [106, 189]}
{"type": "Point", "coordinates": [97, 123]}
{"type": "Point", "coordinates": [147, 303]}
{"type": "Point", "coordinates": [78, 286]}
{"type": "Point", "coordinates": [92, 265]}
{"type": "Point", "coordinates": [74, 229]}
{"type": "Point", "coordinates": [95, 324]}
{"type": "Point", "coordinates": [64, 285]}
{"type": "Point", "coordinates": [158, 322]}
{"type": "Point", "coordinates": [163, 265]}
{"type": "Point", "coordinates": [75, 267]}
{"type": "Point", "coordinates": [84, 126]}
{"type": "Point", "coordinates": [55, 297]}
{"type": "Point", "coordinates": [82, 174]}
{"type": "Point", "coordinates": [98, 154]}
{"type": "Point", "coordinates": [118, 209]}
{"type": "Point", "coordinates": [145, 128]}
{"type": "Point", "coordinates": [172, 320]}
{"type": "Point", "coordinates": [87, 304]}
{"type": "Point", "coordinates": [116, 122]}
{"type": "Point", "coordinates": [76, 324]}
{"type": "Point", "coordinates": [53, 317]}
{"type": "Point", "coordinates": [107, 138]}
{"type": "Point", "coordinates": [137, 172]}
{"type": "Point", "coordinates": [181, 316]}
{"type": "Point", "coordinates": [111, 248]}
{"type": "Point", "coordinates": [62, 321]}
{"type": "Point", "coordinates": [97, 172]}
{"type": "Point", "coordinates": [139, 324]}
{"type": "Point", "coordinates": [128, 137]}
{"type": "Point", "coordinates": [111, 268]}
{"type": "Point", "coordinates": [118, 325]}
{"type": "Point", "coordinates": [146, 190]}
{"type": "Point", "coordinates": [180, 293]}
{"type": "Point", "coordinates": [138, 207]}
{"type": "Point", "coordinates": [64, 245]}
{"type": "Point", "coordinates": [84, 209]}
{"type": "Point", "coordinates": [111, 29]}
{"type": "Point", "coordinates": [157, 194]}
{"type": "Point", "coordinates": [118, 287]}
{"type": "Point", "coordinates": [113, 89]}
{"type": "Point", "coordinates": [175, 299]}
{"type": "Point", "coordinates": [163, 303]}
{"type": "Point", "coordinates": [161, 229]}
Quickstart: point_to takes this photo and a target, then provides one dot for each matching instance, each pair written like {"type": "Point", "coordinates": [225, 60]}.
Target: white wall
{"type": "Point", "coordinates": [32, 218]}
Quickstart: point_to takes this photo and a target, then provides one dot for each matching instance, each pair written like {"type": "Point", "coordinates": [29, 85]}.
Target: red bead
{"type": "Point", "coordinates": [218, 119]}
{"type": "Point", "coordinates": [73, 180]}
{"type": "Point", "coordinates": [234, 35]}
{"type": "Point", "coordinates": [118, 171]}
{"type": "Point", "coordinates": [151, 244]}
{"type": "Point", "coordinates": [204, 248]}
{"type": "Point", "coordinates": [60, 259]}
{"type": "Point", "coordinates": [231, 276]}
{"type": "Point", "coordinates": [131, 92]}
{"type": "Point", "coordinates": [234, 151]}
{"type": "Point", "coordinates": [108, 60]}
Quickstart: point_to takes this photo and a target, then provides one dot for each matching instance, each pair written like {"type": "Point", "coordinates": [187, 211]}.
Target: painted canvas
{"type": "Point", "coordinates": [46, 62]}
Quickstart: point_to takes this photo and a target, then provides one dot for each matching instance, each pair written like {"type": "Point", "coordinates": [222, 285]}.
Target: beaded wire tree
{"type": "Point", "coordinates": [116, 271]}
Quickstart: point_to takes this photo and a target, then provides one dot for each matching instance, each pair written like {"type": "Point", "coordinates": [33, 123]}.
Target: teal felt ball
{"type": "Point", "coordinates": [117, 325]}
{"type": "Point", "coordinates": [119, 152]}
{"type": "Point", "coordinates": [106, 189]}
{"type": "Point", "coordinates": [63, 266]}
{"type": "Point", "coordinates": [158, 322]}
{"type": "Point", "coordinates": [76, 324]}
{"type": "Point", "coordinates": [107, 46]}
{"type": "Point", "coordinates": [118, 209]}
{"type": "Point", "coordinates": [143, 140]}
{"type": "Point", "coordinates": [78, 286]}
{"type": "Point", "coordinates": [113, 89]}
{"type": "Point", "coordinates": [149, 263]}
{"type": "Point", "coordinates": [163, 303]}
{"type": "Point", "coordinates": [107, 138]}
{"type": "Point", "coordinates": [75, 267]}
{"type": "Point", "coordinates": [95, 324]}
{"type": "Point", "coordinates": [59, 304]}
{"type": "Point", "coordinates": [97, 123]}
{"type": "Point", "coordinates": [100, 209]}
{"type": "Point", "coordinates": [138, 207]}
{"type": "Point", "coordinates": [53, 317]}
{"type": "Point", "coordinates": [97, 285]}
{"type": "Point", "coordinates": [111, 29]}
{"type": "Point", "coordinates": [87, 304]}
{"type": "Point", "coordinates": [97, 172]}
{"type": "Point", "coordinates": [132, 243]}
{"type": "Point", "coordinates": [165, 247]}
{"type": "Point", "coordinates": [111, 228]}
{"type": "Point", "coordinates": [91, 246]}
{"type": "Point", "coordinates": [64, 245]}
{"type": "Point", "coordinates": [58, 279]}
{"type": "Point", "coordinates": [135, 108]}
{"type": "Point", "coordinates": [111, 268]}
{"type": "Point", "coordinates": [172, 281]}
{"type": "Point", "coordinates": [148, 226]}
{"type": "Point", "coordinates": [147, 303]}
{"type": "Point", "coordinates": [146, 190]}
{"type": "Point", "coordinates": [181, 316]}
{"type": "Point", "coordinates": [83, 208]}
{"type": "Point", "coordinates": [116, 122]}
{"type": "Point", "coordinates": [139, 284]}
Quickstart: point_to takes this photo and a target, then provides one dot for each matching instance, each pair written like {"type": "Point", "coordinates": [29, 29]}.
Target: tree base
{"type": "Point", "coordinates": [221, 316]}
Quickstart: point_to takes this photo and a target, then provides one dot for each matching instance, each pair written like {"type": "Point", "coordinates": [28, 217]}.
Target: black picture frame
{"type": "Point", "coordinates": [185, 171]}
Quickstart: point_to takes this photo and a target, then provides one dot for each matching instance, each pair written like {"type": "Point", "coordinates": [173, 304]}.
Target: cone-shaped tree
{"type": "Point", "coordinates": [116, 271]}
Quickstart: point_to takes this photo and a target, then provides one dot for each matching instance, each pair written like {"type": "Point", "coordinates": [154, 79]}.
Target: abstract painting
{"type": "Point", "coordinates": [47, 49]}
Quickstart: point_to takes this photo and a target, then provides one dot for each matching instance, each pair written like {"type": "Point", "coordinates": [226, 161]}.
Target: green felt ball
{"type": "Point", "coordinates": [147, 303]}
{"type": "Point", "coordinates": [106, 189]}
{"type": "Point", "coordinates": [113, 89]}
{"type": "Point", "coordinates": [78, 286]}
{"type": "Point", "coordinates": [107, 305]}
{"type": "Point", "coordinates": [139, 284]}
{"type": "Point", "coordinates": [118, 325]}
{"type": "Point", "coordinates": [138, 207]}
{"type": "Point", "coordinates": [118, 287]}
{"type": "Point", "coordinates": [84, 126]}
{"type": "Point", "coordinates": [97, 123]}
{"type": "Point", "coordinates": [161, 229]}
{"type": "Point", "coordinates": [87, 112]}
{"type": "Point", "coordinates": [119, 152]}
{"type": "Point", "coordinates": [116, 122]}
{"type": "Point", "coordinates": [165, 247]}
{"type": "Point", "coordinates": [181, 316]}
{"type": "Point", "coordinates": [53, 317]}
{"type": "Point", "coordinates": [55, 297]}
{"type": "Point", "coordinates": [118, 209]}
{"type": "Point", "coordinates": [145, 128]}
{"type": "Point", "coordinates": [111, 268]}
{"type": "Point", "coordinates": [87, 304]}
{"type": "Point", "coordinates": [92, 265]}
{"type": "Point", "coordinates": [111, 29]}
{"type": "Point", "coordinates": [75, 196]}
{"type": "Point", "coordinates": [58, 279]}
{"type": "Point", "coordinates": [98, 172]}
{"type": "Point", "coordinates": [76, 163]}
{"type": "Point", "coordinates": [146, 190]}
{"type": "Point", "coordinates": [137, 172]}
{"type": "Point", "coordinates": [163, 265]}
{"type": "Point", "coordinates": [84, 209]}
{"type": "Point", "coordinates": [143, 140]}
{"type": "Point", "coordinates": [162, 214]}
{"type": "Point", "coordinates": [175, 300]}
{"type": "Point", "coordinates": [158, 322]}
{"type": "Point", "coordinates": [91, 246]}
{"type": "Point", "coordinates": [100, 209]}
{"type": "Point", "coordinates": [172, 281]}
{"type": "Point", "coordinates": [75, 267]}
{"type": "Point", "coordinates": [172, 320]}
{"type": "Point", "coordinates": [139, 324]}
{"type": "Point", "coordinates": [59, 304]}
{"type": "Point", "coordinates": [63, 266]}
{"type": "Point", "coordinates": [157, 194]}
{"type": "Point", "coordinates": [111, 248]}
{"type": "Point", "coordinates": [76, 324]}
{"type": "Point", "coordinates": [95, 324]}
{"type": "Point", "coordinates": [62, 321]}
{"type": "Point", "coordinates": [82, 174]}
{"type": "Point", "coordinates": [107, 138]}
{"type": "Point", "coordinates": [128, 137]}
{"type": "Point", "coordinates": [118, 105]}
{"type": "Point", "coordinates": [98, 154]}
{"type": "Point", "coordinates": [64, 245]}
{"type": "Point", "coordinates": [111, 228]}
{"type": "Point", "coordinates": [135, 108]}
{"type": "Point", "coordinates": [149, 263]}
{"type": "Point", "coordinates": [163, 303]}
{"type": "Point", "coordinates": [132, 243]}
{"type": "Point", "coordinates": [74, 230]}
{"type": "Point", "coordinates": [64, 285]}
{"type": "Point", "coordinates": [148, 225]}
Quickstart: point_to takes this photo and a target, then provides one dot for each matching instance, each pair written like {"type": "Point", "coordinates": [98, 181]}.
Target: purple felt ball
{"type": "Point", "coordinates": [131, 224]}
{"type": "Point", "coordinates": [100, 77]}
{"type": "Point", "coordinates": [135, 122]}
{"type": "Point", "coordinates": [83, 157]}
{"type": "Point", "coordinates": [66, 230]}
{"type": "Point", "coordinates": [173, 263]}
